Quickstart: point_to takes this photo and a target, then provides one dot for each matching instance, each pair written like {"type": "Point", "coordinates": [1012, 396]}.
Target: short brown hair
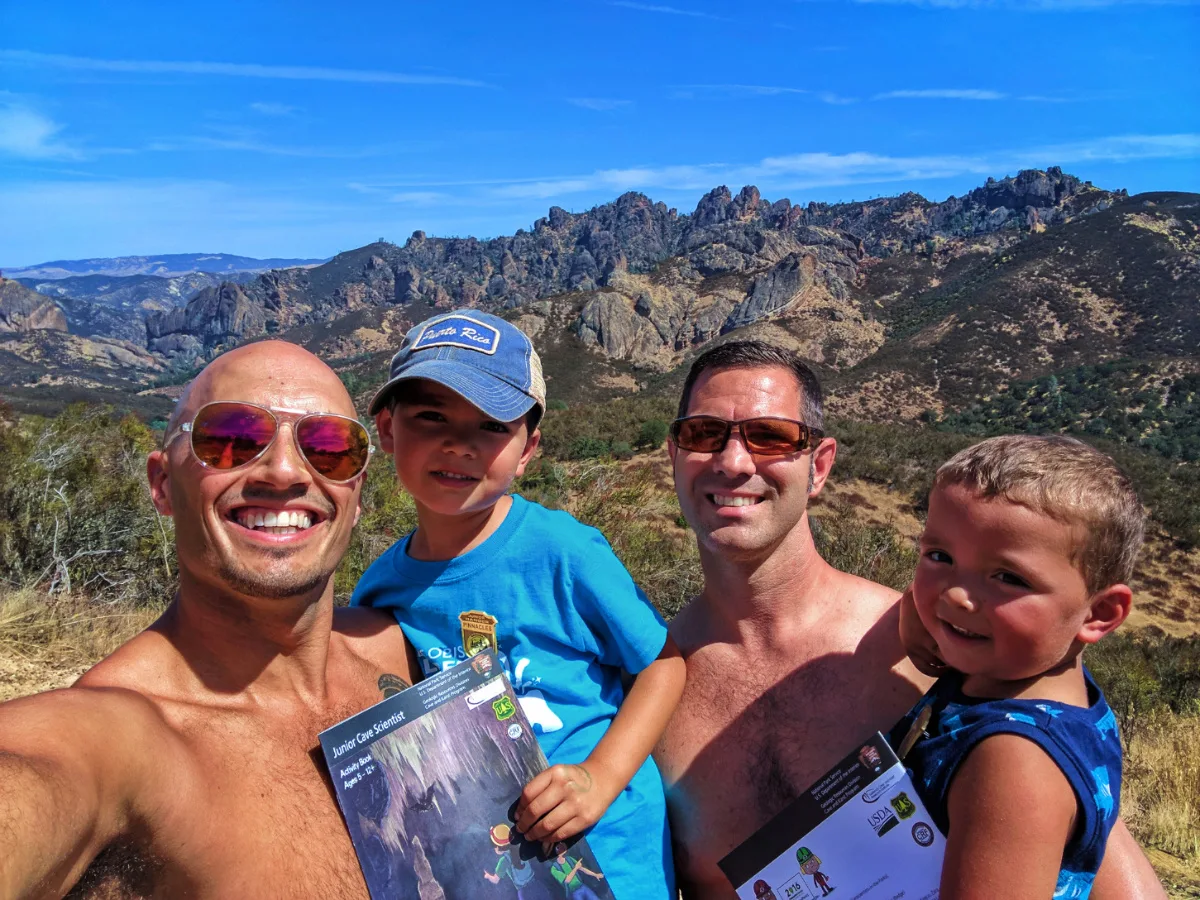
{"type": "Point", "coordinates": [1065, 479]}
{"type": "Point", "coordinates": [754, 355]}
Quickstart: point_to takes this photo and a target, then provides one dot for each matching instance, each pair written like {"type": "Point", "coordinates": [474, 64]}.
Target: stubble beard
{"type": "Point", "coordinates": [289, 583]}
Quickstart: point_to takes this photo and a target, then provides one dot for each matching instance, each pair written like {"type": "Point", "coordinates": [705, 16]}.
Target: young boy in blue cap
{"type": "Point", "coordinates": [459, 414]}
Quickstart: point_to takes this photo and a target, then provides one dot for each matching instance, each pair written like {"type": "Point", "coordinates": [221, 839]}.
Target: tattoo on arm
{"type": "Point", "coordinates": [390, 685]}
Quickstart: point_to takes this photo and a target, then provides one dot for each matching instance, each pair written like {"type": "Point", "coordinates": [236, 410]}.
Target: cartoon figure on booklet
{"type": "Point", "coordinates": [512, 866]}
{"type": "Point", "coordinates": [566, 871]}
{"type": "Point", "coordinates": [762, 891]}
{"type": "Point", "coordinates": [810, 865]}
{"type": "Point", "coordinates": [1025, 559]}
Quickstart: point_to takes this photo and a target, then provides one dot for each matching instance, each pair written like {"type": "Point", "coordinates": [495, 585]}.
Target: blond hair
{"type": "Point", "coordinates": [1067, 480]}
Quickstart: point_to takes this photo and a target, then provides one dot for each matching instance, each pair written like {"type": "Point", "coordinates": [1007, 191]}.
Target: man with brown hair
{"type": "Point", "coordinates": [790, 662]}
{"type": "Point", "coordinates": [186, 764]}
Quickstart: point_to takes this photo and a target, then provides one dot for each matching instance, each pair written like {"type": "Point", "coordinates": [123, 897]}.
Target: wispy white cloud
{"type": "Point", "coordinates": [689, 92]}
{"type": "Point", "coordinates": [280, 110]}
{"type": "Point", "coordinates": [28, 134]}
{"type": "Point", "coordinates": [599, 104]}
{"type": "Point", "coordinates": [233, 70]}
{"type": "Point", "coordinates": [418, 198]}
{"type": "Point", "coordinates": [668, 10]}
{"type": "Point", "coordinates": [802, 171]}
{"type": "Point", "coordinates": [942, 94]}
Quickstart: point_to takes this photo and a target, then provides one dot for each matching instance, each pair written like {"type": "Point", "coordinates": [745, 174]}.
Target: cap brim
{"type": "Point", "coordinates": [485, 392]}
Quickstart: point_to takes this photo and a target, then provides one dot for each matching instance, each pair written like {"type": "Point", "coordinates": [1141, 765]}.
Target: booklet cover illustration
{"type": "Point", "coordinates": [427, 781]}
{"type": "Point", "coordinates": [861, 830]}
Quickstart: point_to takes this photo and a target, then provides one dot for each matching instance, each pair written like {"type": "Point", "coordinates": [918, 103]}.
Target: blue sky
{"type": "Point", "coordinates": [304, 129]}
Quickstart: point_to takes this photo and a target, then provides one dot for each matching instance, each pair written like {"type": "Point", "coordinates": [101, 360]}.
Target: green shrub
{"type": "Point", "coordinates": [588, 448]}
{"type": "Point", "coordinates": [389, 513]}
{"type": "Point", "coordinates": [875, 552]}
{"type": "Point", "coordinates": [652, 434]}
{"type": "Point", "coordinates": [75, 509]}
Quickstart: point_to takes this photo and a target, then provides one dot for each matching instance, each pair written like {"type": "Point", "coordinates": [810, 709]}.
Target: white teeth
{"type": "Point", "coordinates": [274, 521]}
{"type": "Point", "coordinates": [723, 500]}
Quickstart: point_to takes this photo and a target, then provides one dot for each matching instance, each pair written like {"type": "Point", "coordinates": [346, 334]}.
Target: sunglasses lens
{"type": "Point", "coordinates": [228, 435]}
{"type": "Point", "coordinates": [701, 434]}
{"type": "Point", "coordinates": [336, 448]}
{"type": "Point", "coordinates": [773, 436]}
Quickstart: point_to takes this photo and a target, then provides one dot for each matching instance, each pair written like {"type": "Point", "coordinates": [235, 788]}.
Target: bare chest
{"type": "Point", "coordinates": [251, 817]}
{"type": "Point", "coordinates": [746, 740]}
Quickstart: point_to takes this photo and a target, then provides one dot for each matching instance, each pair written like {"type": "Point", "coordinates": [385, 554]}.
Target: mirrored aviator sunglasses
{"type": "Point", "coordinates": [764, 435]}
{"type": "Point", "coordinates": [229, 434]}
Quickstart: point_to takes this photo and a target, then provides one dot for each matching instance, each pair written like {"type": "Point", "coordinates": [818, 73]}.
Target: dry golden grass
{"type": "Point", "coordinates": [47, 643]}
{"type": "Point", "coordinates": [1160, 798]}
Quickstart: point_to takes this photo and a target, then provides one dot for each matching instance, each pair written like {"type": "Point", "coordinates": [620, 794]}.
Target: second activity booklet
{"type": "Point", "coordinates": [860, 830]}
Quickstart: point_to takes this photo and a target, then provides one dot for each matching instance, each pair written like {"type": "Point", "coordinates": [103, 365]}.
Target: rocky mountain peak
{"type": "Point", "coordinates": [22, 309]}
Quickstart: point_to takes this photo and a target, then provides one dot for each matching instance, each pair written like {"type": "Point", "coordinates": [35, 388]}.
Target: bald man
{"type": "Point", "coordinates": [186, 764]}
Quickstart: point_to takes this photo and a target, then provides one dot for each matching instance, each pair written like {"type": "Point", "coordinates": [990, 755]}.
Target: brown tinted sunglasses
{"type": "Point", "coordinates": [764, 435]}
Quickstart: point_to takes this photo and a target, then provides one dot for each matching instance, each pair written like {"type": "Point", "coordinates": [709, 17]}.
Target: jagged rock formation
{"type": "Point", "coordinates": [644, 282]}
{"type": "Point", "coordinates": [24, 310]}
{"type": "Point", "coordinates": [211, 318]}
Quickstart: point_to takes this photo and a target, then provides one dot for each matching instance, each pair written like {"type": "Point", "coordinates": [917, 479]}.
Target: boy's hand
{"type": "Point", "coordinates": [561, 802]}
{"type": "Point", "coordinates": [920, 646]}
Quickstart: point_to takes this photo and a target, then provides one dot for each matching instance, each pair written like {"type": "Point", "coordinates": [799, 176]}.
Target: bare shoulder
{"type": "Point", "coordinates": [144, 664]}
{"type": "Point", "coordinates": [685, 628]}
{"type": "Point", "coordinates": [374, 636]}
{"type": "Point", "coordinates": [1006, 772]}
{"type": "Point", "coordinates": [876, 609]}
{"type": "Point", "coordinates": [870, 596]}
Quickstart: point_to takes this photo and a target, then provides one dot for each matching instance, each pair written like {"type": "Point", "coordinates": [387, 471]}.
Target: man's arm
{"type": "Point", "coordinates": [1126, 873]}
{"type": "Point", "coordinates": [565, 799]}
{"type": "Point", "coordinates": [65, 785]}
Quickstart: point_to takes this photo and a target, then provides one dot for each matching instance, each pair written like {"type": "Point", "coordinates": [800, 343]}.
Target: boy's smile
{"type": "Point", "coordinates": [449, 455]}
{"type": "Point", "coordinates": [998, 588]}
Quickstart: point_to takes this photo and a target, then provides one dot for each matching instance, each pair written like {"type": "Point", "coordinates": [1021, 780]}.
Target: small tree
{"type": "Point", "coordinates": [652, 434]}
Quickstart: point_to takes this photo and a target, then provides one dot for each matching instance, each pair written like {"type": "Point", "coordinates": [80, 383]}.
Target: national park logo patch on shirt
{"type": "Point", "coordinates": [478, 632]}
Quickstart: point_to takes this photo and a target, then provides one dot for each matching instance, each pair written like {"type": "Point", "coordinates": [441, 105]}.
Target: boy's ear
{"type": "Point", "coordinates": [383, 425]}
{"type": "Point", "coordinates": [532, 440]}
{"type": "Point", "coordinates": [1107, 610]}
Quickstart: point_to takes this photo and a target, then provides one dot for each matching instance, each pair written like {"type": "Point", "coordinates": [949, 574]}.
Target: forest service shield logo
{"type": "Point", "coordinates": [504, 709]}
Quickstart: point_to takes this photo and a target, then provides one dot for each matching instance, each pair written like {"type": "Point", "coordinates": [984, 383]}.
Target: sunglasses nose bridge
{"type": "Point", "coordinates": [734, 453]}
{"type": "Point", "coordinates": [283, 456]}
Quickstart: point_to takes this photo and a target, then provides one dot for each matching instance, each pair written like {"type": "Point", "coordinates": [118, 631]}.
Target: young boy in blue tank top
{"type": "Point", "coordinates": [1025, 559]}
{"type": "Point", "coordinates": [459, 414]}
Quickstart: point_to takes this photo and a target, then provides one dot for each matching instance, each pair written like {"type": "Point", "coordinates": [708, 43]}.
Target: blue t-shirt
{"type": "Point", "coordinates": [568, 621]}
{"type": "Point", "coordinates": [1082, 742]}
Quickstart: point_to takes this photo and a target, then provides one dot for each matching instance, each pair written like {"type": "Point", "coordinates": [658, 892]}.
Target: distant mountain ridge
{"type": "Point", "coordinates": [907, 307]}
{"type": "Point", "coordinates": [165, 265]}
{"type": "Point", "coordinates": [652, 283]}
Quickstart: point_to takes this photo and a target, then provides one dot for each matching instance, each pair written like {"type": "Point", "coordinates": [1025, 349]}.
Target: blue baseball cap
{"type": "Point", "coordinates": [490, 362]}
